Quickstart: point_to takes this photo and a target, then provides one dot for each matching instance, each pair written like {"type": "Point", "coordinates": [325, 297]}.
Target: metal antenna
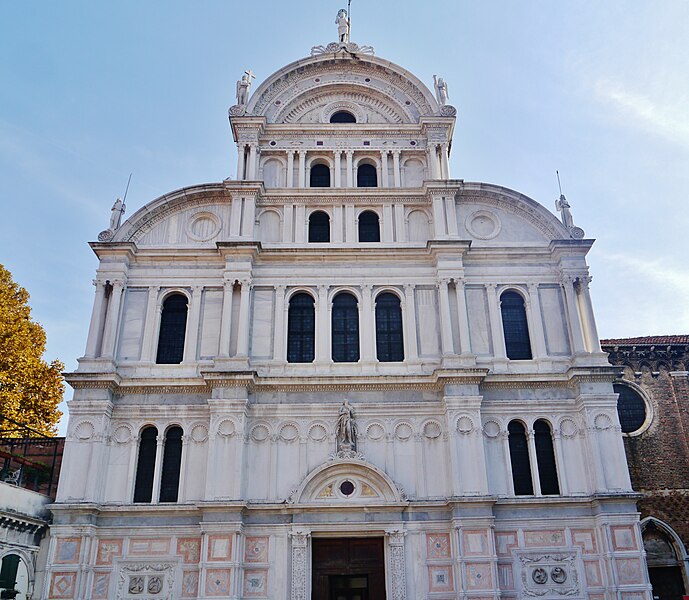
{"type": "Point", "coordinates": [125, 191]}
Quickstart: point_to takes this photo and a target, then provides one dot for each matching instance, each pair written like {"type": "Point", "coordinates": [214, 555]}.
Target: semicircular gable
{"type": "Point", "coordinates": [364, 484]}
{"type": "Point", "coordinates": [307, 75]}
{"type": "Point", "coordinates": [192, 215]}
{"type": "Point", "coordinates": [491, 214]}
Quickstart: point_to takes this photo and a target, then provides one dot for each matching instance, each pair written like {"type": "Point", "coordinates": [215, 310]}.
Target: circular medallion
{"type": "Point", "coordinates": [318, 433]}
{"type": "Point", "coordinates": [260, 433]}
{"type": "Point", "coordinates": [289, 433]}
{"type": "Point", "coordinates": [122, 434]}
{"type": "Point", "coordinates": [203, 226]}
{"type": "Point", "coordinates": [432, 430]}
{"type": "Point", "coordinates": [558, 575]}
{"type": "Point", "coordinates": [568, 428]}
{"type": "Point", "coordinates": [347, 488]}
{"type": "Point", "coordinates": [403, 431]}
{"type": "Point", "coordinates": [226, 428]}
{"type": "Point", "coordinates": [602, 421]}
{"type": "Point", "coordinates": [539, 576]}
{"type": "Point", "coordinates": [199, 433]}
{"type": "Point", "coordinates": [84, 431]}
{"type": "Point", "coordinates": [491, 429]}
{"type": "Point", "coordinates": [483, 224]}
{"type": "Point", "coordinates": [375, 431]}
{"type": "Point", "coordinates": [465, 425]}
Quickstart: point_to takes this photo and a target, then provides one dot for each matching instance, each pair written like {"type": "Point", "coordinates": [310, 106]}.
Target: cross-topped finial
{"type": "Point", "coordinates": [250, 74]}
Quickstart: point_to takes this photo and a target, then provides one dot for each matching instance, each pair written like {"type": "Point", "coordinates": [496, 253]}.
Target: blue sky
{"type": "Point", "coordinates": [91, 91]}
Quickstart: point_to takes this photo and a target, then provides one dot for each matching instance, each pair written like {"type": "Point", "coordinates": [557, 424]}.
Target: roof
{"type": "Point", "coordinates": [649, 340]}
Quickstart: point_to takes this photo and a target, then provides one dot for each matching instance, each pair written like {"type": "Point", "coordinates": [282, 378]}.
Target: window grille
{"type": "Point", "coordinates": [301, 329]}
{"type": "Point", "coordinates": [369, 227]}
{"type": "Point", "coordinates": [145, 466]}
{"type": "Point", "coordinates": [319, 227]}
{"type": "Point", "coordinates": [389, 340]}
{"type": "Point", "coordinates": [173, 325]}
{"type": "Point", "coordinates": [515, 326]}
{"type": "Point", "coordinates": [366, 176]}
{"type": "Point", "coordinates": [545, 457]}
{"type": "Point", "coordinates": [631, 408]}
{"type": "Point", "coordinates": [345, 328]}
{"type": "Point", "coordinates": [320, 176]}
{"type": "Point", "coordinates": [519, 459]}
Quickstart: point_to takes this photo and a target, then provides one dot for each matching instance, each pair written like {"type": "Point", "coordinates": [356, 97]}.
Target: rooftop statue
{"type": "Point", "coordinates": [243, 87]}
{"type": "Point", "coordinates": [342, 23]}
{"type": "Point", "coordinates": [441, 93]}
{"type": "Point", "coordinates": [116, 214]}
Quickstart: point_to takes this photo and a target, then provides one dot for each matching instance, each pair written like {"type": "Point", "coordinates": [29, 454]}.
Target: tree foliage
{"type": "Point", "coordinates": [30, 387]}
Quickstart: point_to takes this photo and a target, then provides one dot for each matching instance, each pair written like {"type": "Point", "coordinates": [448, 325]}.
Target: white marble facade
{"type": "Point", "coordinates": [260, 472]}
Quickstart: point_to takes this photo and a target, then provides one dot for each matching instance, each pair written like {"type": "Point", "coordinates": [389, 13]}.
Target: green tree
{"type": "Point", "coordinates": [30, 388]}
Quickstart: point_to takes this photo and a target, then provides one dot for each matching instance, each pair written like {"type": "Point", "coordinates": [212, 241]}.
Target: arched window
{"type": "Point", "coordinates": [366, 176]}
{"type": "Point", "coordinates": [345, 328]}
{"type": "Point", "coordinates": [369, 227]}
{"type": "Point", "coordinates": [664, 559]}
{"type": "Point", "coordinates": [389, 340]}
{"type": "Point", "coordinates": [519, 459]}
{"type": "Point", "coordinates": [173, 326]}
{"type": "Point", "coordinates": [343, 116]}
{"type": "Point", "coordinates": [320, 176]}
{"type": "Point", "coordinates": [515, 326]}
{"type": "Point", "coordinates": [545, 457]}
{"type": "Point", "coordinates": [301, 329]}
{"type": "Point", "coordinates": [172, 461]}
{"type": "Point", "coordinates": [319, 227]}
{"type": "Point", "coordinates": [631, 408]}
{"type": "Point", "coordinates": [145, 466]}
{"type": "Point", "coordinates": [8, 572]}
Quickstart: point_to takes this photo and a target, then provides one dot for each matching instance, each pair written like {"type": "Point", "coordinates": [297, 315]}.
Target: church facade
{"type": "Point", "coordinates": [344, 374]}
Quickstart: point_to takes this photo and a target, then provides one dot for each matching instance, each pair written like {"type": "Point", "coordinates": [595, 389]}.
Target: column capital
{"type": "Point", "coordinates": [443, 281]}
{"type": "Point", "coordinates": [301, 152]}
{"type": "Point", "coordinates": [290, 151]}
{"type": "Point", "coordinates": [338, 151]}
{"type": "Point", "coordinates": [349, 152]}
{"type": "Point", "coordinates": [366, 288]}
{"type": "Point", "coordinates": [532, 286]}
{"type": "Point", "coordinates": [246, 281]}
{"type": "Point", "coordinates": [280, 287]}
{"type": "Point", "coordinates": [409, 287]}
{"type": "Point", "coordinates": [396, 152]}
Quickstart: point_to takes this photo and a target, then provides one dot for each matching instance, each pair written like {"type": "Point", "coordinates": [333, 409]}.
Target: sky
{"type": "Point", "coordinates": [93, 91]}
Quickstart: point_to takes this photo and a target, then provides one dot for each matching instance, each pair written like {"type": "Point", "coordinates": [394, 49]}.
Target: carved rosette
{"type": "Point", "coordinates": [300, 566]}
{"type": "Point", "coordinates": [447, 110]}
{"type": "Point", "coordinates": [236, 111]}
{"type": "Point", "coordinates": [105, 235]}
{"type": "Point", "coordinates": [396, 565]}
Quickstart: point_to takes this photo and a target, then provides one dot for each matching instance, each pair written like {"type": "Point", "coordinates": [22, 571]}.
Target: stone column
{"type": "Point", "coordinates": [287, 219]}
{"type": "Point", "coordinates": [300, 587]}
{"type": "Point", "coordinates": [451, 215]}
{"type": "Point", "coordinates": [235, 216]}
{"type": "Point", "coordinates": [290, 169]}
{"type": "Point", "coordinates": [96, 325]}
{"type": "Point", "coordinates": [505, 436]}
{"type": "Point", "coordinates": [535, 477]}
{"type": "Point", "coordinates": [573, 314]}
{"type": "Point", "coordinates": [439, 216]}
{"type": "Point", "coordinates": [499, 350]}
{"type": "Point", "coordinates": [433, 162]}
{"type": "Point", "coordinates": [322, 326]}
{"type": "Point", "coordinates": [350, 168]}
{"type": "Point", "coordinates": [587, 316]}
{"type": "Point", "coordinates": [387, 223]}
{"type": "Point", "coordinates": [367, 330]}
{"type": "Point", "coordinates": [160, 448]}
{"type": "Point", "coordinates": [302, 169]}
{"type": "Point", "coordinates": [397, 173]}
{"type": "Point", "coordinates": [249, 217]}
{"type": "Point", "coordinates": [410, 344]}
{"type": "Point", "coordinates": [299, 223]}
{"type": "Point", "coordinates": [445, 318]}
{"type": "Point", "coordinates": [536, 322]}
{"type": "Point", "coordinates": [226, 317]}
{"type": "Point", "coordinates": [462, 318]}
{"type": "Point", "coordinates": [192, 337]}
{"type": "Point", "coordinates": [400, 225]}
{"type": "Point", "coordinates": [280, 320]}
{"type": "Point", "coordinates": [560, 463]}
{"type": "Point", "coordinates": [112, 320]}
{"type": "Point", "coordinates": [384, 168]}
{"type": "Point", "coordinates": [181, 492]}
{"type": "Point", "coordinates": [253, 159]}
{"type": "Point", "coordinates": [243, 327]}
{"type": "Point", "coordinates": [152, 311]}
{"type": "Point", "coordinates": [445, 165]}
{"type": "Point", "coordinates": [241, 160]}
{"type": "Point", "coordinates": [338, 168]}
{"type": "Point", "coordinates": [396, 568]}
{"type": "Point", "coordinates": [350, 223]}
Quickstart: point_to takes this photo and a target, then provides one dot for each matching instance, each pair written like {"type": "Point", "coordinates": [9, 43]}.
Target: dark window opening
{"type": "Point", "coordinates": [320, 176]}
{"type": "Point", "coordinates": [366, 176]}
{"type": "Point", "coordinates": [145, 466]}
{"type": "Point", "coordinates": [515, 326]}
{"type": "Point", "coordinates": [172, 461]}
{"type": "Point", "coordinates": [631, 408]}
{"type": "Point", "coordinates": [319, 227]}
{"type": "Point", "coordinates": [369, 227]}
{"type": "Point", "coordinates": [519, 459]}
{"type": "Point", "coordinates": [173, 326]}
{"type": "Point", "coordinates": [545, 457]}
{"type": "Point", "coordinates": [8, 572]}
{"type": "Point", "coordinates": [345, 328]}
{"type": "Point", "coordinates": [301, 329]}
{"type": "Point", "coordinates": [389, 339]}
{"type": "Point", "coordinates": [342, 116]}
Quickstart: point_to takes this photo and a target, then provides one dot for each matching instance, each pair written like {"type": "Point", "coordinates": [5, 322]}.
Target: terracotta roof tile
{"type": "Point", "coordinates": [650, 340]}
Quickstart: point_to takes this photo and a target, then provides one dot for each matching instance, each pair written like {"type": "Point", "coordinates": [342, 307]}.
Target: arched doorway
{"type": "Point", "coordinates": [665, 557]}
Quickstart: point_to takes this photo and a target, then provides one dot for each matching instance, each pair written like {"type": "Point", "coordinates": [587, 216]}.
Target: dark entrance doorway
{"type": "Point", "coordinates": [348, 569]}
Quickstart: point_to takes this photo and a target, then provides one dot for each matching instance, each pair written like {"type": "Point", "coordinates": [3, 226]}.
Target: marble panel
{"type": "Point", "coordinates": [256, 549]}
{"type": "Point", "coordinates": [438, 546]}
{"type": "Point", "coordinates": [67, 551]}
{"type": "Point", "coordinates": [546, 538]}
{"type": "Point", "coordinates": [256, 583]}
{"type": "Point", "coordinates": [107, 550]}
{"type": "Point", "coordinates": [440, 578]}
{"type": "Point", "coordinates": [62, 585]}
{"type": "Point", "coordinates": [189, 549]}
{"type": "Point", "coordinates": [218, 582]}
{"type": "Point", "coordinates": [219, 548]}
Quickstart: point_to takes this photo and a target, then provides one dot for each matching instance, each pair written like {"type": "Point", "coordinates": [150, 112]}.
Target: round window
{"type": "Point", "coordinates": [347, 488]}
{"type": "Point", "coordinates": [631, 408]}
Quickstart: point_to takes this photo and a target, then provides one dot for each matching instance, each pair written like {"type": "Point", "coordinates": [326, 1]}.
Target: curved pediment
{"type": "Point", "coordinates": [349, 482]}
{"type": "Point", "coordinates": [299, 83]}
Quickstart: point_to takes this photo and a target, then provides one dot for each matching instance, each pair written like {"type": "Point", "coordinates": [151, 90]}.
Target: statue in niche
{"type": "Point", "coordinates": [441, 92]}
{"type": "Point", "coordinates": [116, 214]}
{"type": "Point", "coordinates": [342, 23]}
{"type": "Point", "coordinates": [346, 429]}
